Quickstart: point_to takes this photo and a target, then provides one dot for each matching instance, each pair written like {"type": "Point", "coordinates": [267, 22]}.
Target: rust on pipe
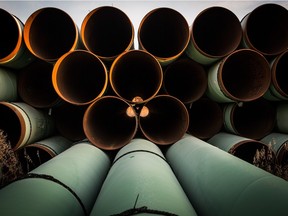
{"type": "Point", "coordinates": [185, 79]}
{"type": "Point", "coordinates": [265, 29]}
{"type": "Point", "coordinates": [205, 118]}
{"type": "Point", "coordinates": [164, 119]}
{"type": "Point", "coordinates": [136, 76]}
{"type": "Point", "coordinates": [109, 124]}
{"type": "Point", "coordinates": [107, 32]}
{"type": "Point", "coordinates": [50, 32]}
{"type": "Point", "coordinates": [79, 77]}
{"type": "Point", "coordinates": [35, 85]}
{"type": "Point", "coordinates": [164, 33]}
{"type": "Point", "coordinates": [215, 33]}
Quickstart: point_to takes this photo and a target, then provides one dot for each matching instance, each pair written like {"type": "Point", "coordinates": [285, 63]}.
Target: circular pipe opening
{"type": "Point", "coordinates": [79, 77]}
{"type": "Point", "coordinates": [49, 33]}
{"type": "Point", "coordinates": [107, 124]}
{"type": "Point", "coordinates": [167, 120]}
{"type": "Point", "coordinates": [216, 32]}
{"type": "Point", "coordinates": [136, 74]}
{"type": "Point", "coordinates": [185, 79]}
{"type": "Point", "coordinates": [107, 32]}
{"type": "Point", "coordinates": [164, 33]}
{"type": "Point", "coordinates": [244, 75]}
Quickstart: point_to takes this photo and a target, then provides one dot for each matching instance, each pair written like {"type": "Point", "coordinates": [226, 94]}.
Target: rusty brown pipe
{"type": "Point", "coordinates": [107, 32]}
{"type": "Point", "coordinates": [110, 123]}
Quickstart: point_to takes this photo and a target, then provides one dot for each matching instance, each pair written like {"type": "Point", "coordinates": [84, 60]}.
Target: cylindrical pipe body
{"type": "Point", "coordinates": [24, 124]}
{"type": "Point", "coordinates": [8, 85]}
{"type": "Point", "coordinates": [14, 53]}
{"type": "Point", "coordinates": [265, 29]}
{"type": "Point", "coordinates": [164, 33]}
{"type": "Point", "coordinates": [108, 123]}
{"type": "Point", "coordinates": [136, 74]}
{"type": "Point", "coordinates": [50, 32]}
{"type": "Point", "coordinates": [215, 33]}
{"type": "Point", "coordinates": [254, 119]}
{"type": "Point", "coordinates": [141, 181]}
{"type": "Point", "coordinates": [107, 32]}
{"type": "Point", "coordinates": [185, 79]}
{"type": "Point", "coordinates": [79, 77]}
{"type": "Point", "coordinates": [282, 117]}
{"type": "Point", "coordinates": [220, 184]}
{"type": "Point", "coordinates": [244, 75]}
{"type": "Point", "coordinates": [164, 119]}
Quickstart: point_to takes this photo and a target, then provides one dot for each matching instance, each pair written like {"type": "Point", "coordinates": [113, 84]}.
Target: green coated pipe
{"type": "Point", "coordinates": [8, 85]}
{"type": "Point", "coordinates": [68, 184]}
{"type": "Point", "coordinates": [141, 181]}
{"type": "Point", "coordinates": [217, 183]}
{"type": "Point", "coordinates": [282, 117]}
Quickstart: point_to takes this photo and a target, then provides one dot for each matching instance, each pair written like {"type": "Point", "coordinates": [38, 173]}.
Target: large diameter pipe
{"type": "Point", "coordinates": [164, 33]}
{"type": "Point", "coordinates": [14, 53]}
{"type": "Point", "coordinates": [60, 187]}
{"type": "Point", "coordinates": [35, 85]}
{"type": "Point", "coordinates": [265, 29]}
{"type": "Point", "coordinates": [110, 123]}
{"type": "Point", "coordinates": [282, 117]}
{"type": "Point", "coordinates": [107, 32]}
{"type": "Point", "coordinates": [79, 77]}
{"type": "Point", "coordinates": [50, 32]}
{"type": "Point", "coordinates": [185, 79]}
{"type": "Point", "coordinates": [164, 119]}
{"type": "Point", "coordinates": [8, 85]}
{"type": "Point", "coordinates": [24, 124]}
{"type": "Point", "coordinates": [217, 183]}
{"type": "Point", "coordinates": [254, 119]}
{"type": "Point", "coordinates": [140, 181]}
{"type": "Point", "coordinates": [215, 33]}
{"type": "Point", "coordinates": [242, 76]}
{"type": "Point", "coordinates": [136, 76]}
{"type": "Point", "coordinates": [239, 146]}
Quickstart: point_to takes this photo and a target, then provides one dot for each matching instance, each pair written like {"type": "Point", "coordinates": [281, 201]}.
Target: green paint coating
{"type": "Point", "coordinates": [8, 85]}
{"type": "Point", "coordinates": [282, 117]}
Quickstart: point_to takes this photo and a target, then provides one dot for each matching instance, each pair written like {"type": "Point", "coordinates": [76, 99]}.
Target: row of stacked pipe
{"type": "Point", "coordinates": [171, 128]}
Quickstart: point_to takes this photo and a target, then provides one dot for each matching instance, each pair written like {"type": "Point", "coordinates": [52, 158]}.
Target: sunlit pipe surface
{"type": "Point", "coordinates": [244, 75]}
{"type": "Point", "coordinates": [141, 181]}
{"type": "Point", "coordinates": [220, 184]}
{"type": "Point", "coordinates": [185, 79]}
{"type": "Point", "coordinates": [254, 119]}
{"type": "Point", "coordinates": [164, 119]}
{"type": "Point", "coordinates": [50, 32]}
{"type": "Point", "coordinates": [282, 117]}
{"type": "Point", "coordinates": [136, 74]}
{"type": "Point", "coordinates": [35, 85]}
{"type": "Point", "coordinates": [24, 124]}
{"type": "Point", "coordinates": [215, 33]}
{"type": "Point", "coordinates": [239, 146]}
{"type": "Point", "coordinates": [107, 32]}
{"type": "Point", "coordinates": [110, 123]}
{"type": "Point", "coordinates": [205, 118]}
{"type": "Point", "coordinates": [8, 85]}
{"type": "Point", "coordinates": [164, 33]}
{"type": "Point", "coordinates": [60, 187]}
{"type": "Point", "coordinates": [79, 77]}
{"type": "Point", "coordinates": [13, 53]}
{"type": "Point", "coordinates": [265, 29]}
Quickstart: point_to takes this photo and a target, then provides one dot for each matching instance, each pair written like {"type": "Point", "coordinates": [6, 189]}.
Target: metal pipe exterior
{"type": "Point", "coordinates": [50, 32]}
{"type": "Point", "coordinates": [185, 79]}
{"type": "Point", "coordinates": [136, 76]}
{"type": "Point", "coordinates": [254, 119]}
{"type": "Point", "coordinates": [24, 124]}
{"type": "Point", "coordinates": [8, 85]}
{"type": "Point", "coordinates": [242, 76]}
{"type": "Point", "coordinates": [265, 29]}
{"type": "Point", "coordinates": [282, 117]}
{"type": "Point", "coordinates": [215, 33]}
{"type": "Point", "coordinates": [218, 183]}
{"type": "Point", "coordinates": [164, 119]}
{"type": "Point", "coordinates": [14, 53]}
{"type": "Point", "coordinates": [107, 32]}
{"type": "Point", "coordinates": [141, 181]}
{"type": "Point", "coordinates": [79, 77]}
{"type": "Point", "coordinates": [168, 42]}
{"type": "Point", "coordinates": [110, 123]}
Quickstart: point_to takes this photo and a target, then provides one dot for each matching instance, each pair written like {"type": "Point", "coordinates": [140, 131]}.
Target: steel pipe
{"type": "Point", "coordinates": [8, 85]}
{"type": "Point", "coordinates": [282, 117]}
{"type": "Point", "coordinates": [164, 33]}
